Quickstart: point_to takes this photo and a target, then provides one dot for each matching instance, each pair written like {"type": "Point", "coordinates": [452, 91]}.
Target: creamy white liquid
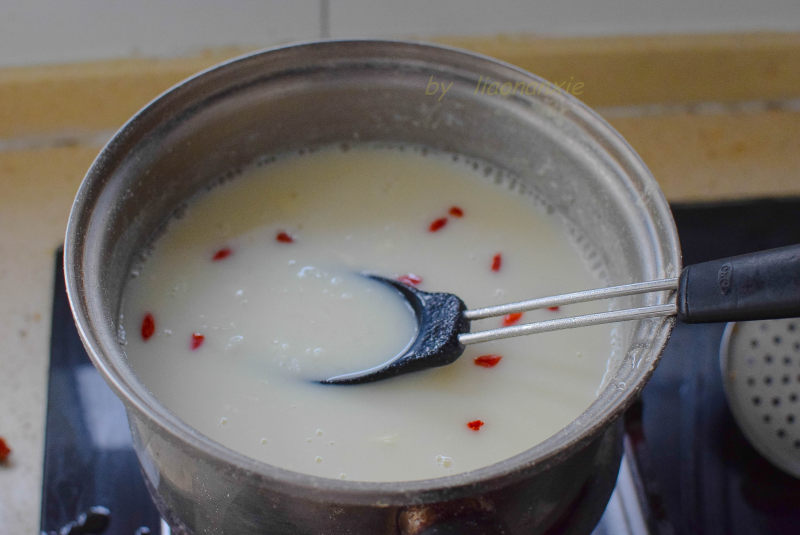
{"type": "Point", "coordinates": [275, 315]}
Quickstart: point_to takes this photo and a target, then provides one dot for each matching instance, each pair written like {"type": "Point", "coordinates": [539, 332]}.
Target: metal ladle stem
{"type": "Point", "coordinates": [758, 285]}
{"type": "Point", "coordinates": [575, 321]}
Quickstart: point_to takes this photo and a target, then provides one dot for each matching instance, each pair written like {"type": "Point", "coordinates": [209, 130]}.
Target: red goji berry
{"type": "Point", "coordinates": [437, 224]}
{"type": "Point", "coordinates": [553, 309]}
{"type": "Point", "coordinates": [497, 262]}
{"type": "Point", "coordinates": [284, 237]}
{"type": "Point", "coordinates": [197, 340]}
{"type": "Point", "coordinates": [487, 361]}
{"type": "Point", "coordinates": [148, 326]}
{"type": "Point", "coordinates": [225, 252]}
{"type": "Point", "coordinates": [5, 451]}
{"type": "Point", "coordinates": [511, 319]}
{"type": "Point", "coordinates": [410, 279]}
{"type": "Point", "coordinates": [475, 425]}
{"type": "Point", "coordinates": [456, 211]}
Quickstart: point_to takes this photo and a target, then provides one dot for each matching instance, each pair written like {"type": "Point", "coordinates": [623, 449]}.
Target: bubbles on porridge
{"type": "Point", "coordinates": [122, 334]}
{"type": "Point", "coordinates": [234, 342]}
{"type": "Point", "coordinates": [444, 461]}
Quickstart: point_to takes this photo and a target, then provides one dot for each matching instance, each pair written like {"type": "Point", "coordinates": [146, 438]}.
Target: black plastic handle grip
{"type": "Point", "coordinates": [753, 286]}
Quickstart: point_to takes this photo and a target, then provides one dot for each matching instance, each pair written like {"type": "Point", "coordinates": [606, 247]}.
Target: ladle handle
{"type": "Point", "coordinates": [762, 285]}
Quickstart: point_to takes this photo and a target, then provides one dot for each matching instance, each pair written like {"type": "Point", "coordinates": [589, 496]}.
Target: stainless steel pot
{"type": "Point", "coordinates": [365, 91]}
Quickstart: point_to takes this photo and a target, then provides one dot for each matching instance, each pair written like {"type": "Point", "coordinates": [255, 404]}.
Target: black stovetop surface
{"type": "Point", "coordinates": [701, 474]}
{"type": "Point", "coordinates": [698, 473]}
{"type": "Point", "coordinates": [88, 457]}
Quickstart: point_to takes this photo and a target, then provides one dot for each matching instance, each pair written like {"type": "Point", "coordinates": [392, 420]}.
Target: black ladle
{"type": "Point", "coordinates": [755, 286]}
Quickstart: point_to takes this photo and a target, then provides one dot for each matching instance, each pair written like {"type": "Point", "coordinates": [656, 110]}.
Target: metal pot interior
{"type": "Point", "coordinates": [357, 92]}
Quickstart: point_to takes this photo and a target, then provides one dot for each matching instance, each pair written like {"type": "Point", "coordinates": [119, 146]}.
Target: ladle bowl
{"type": "Point", "coordinates": [756, 286]}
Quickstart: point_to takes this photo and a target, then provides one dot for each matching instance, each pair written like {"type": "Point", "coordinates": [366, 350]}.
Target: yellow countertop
{"type": "Point", "coordinates": [715, 117]}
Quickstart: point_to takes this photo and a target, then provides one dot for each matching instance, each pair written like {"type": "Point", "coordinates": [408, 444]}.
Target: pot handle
{"type": "Point", "coordinates": [755, 286]}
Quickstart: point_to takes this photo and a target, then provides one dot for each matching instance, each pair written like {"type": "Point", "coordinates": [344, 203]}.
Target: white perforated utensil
{"type": "Point", "coordinates": [760, 362]}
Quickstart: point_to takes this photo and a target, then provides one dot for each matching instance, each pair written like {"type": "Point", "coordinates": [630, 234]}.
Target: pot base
{"type": "Point", "coordinates": [519, 509]}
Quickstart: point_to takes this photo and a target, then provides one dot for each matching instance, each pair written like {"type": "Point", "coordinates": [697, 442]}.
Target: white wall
{"type": "Point", "coordinates": [46, 31]}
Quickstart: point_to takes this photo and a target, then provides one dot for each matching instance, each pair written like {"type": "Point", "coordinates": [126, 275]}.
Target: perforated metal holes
{"type": "Point", "coordinates": [761, 372]}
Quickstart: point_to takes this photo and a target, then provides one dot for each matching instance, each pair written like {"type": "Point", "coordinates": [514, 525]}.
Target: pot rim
{"type": "Point", "coordinates": [142, 404]}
